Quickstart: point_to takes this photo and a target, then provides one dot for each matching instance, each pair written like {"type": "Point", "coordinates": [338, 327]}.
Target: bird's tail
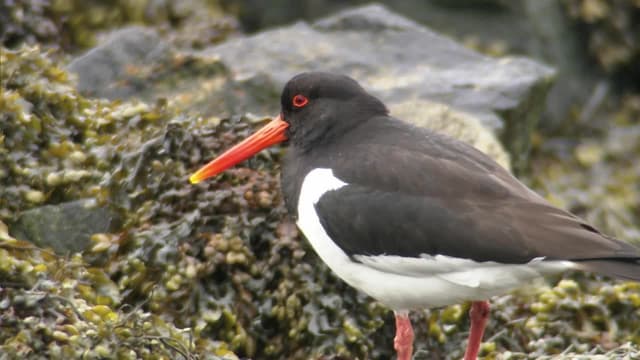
{"type": "Point", "coordinates": [623, 268]}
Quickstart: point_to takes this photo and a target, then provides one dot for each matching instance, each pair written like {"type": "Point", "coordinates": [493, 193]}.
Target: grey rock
{"type": "Point", "coordinates": [536, 28]}
{"type": "Point", "coordinates": [112, 69]}
{"type": "Point", "coordinates": [136, 63]}
{"type": "Point", "coordinates": [554, 39]}
{"type": "Point", "coordinates": [66, 227]}
{"type": "Point", "coordinates": [369, 18]}
{"type": "Point", "coordinates": [399, 60]}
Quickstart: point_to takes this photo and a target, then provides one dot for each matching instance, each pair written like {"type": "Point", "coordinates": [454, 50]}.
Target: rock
{"type": "Point", "coordinates": [135, 62]}
{"type": "Point", "coordinates": [537, 28]}
{"type": "Point", "coordinates": [66, 227]}
{"type": "Point", "coordinates": [110, 69]}
{"type": "Point", "coordinates": [553, 38]}
{"type": "Point", "coordinates": [370, 44]}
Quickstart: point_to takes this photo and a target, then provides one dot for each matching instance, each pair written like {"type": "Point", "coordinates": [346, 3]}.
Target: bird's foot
{"type": "Point", "coordinates": [403, 342]}
{"type": "Point", "coordinates": [479, 315]}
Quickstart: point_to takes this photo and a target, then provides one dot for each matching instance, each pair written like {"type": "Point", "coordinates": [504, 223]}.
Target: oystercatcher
{"type": "Point", "coordinates": [411, 217]}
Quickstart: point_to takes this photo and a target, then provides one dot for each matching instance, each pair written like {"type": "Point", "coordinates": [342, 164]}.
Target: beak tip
{"type": "Point", "coordinates": [270, 134]}
{"type": "Point", "coordinates": [193, 179]}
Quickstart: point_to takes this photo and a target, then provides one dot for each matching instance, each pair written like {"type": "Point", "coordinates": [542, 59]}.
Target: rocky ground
{"type": "Point", "coordinates": [106, 250]}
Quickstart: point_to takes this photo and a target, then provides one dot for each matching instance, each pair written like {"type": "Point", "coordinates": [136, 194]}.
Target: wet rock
{"type": "Point", "coordinates": [66, 227]}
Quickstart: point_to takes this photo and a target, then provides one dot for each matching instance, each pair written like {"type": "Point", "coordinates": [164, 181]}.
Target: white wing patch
{"type": "Point", "coordinates": [420, 266]}
{"type": "Point", "coordinates": [316, 183]}
{"type": "Point", "coordinates": [459, 271]}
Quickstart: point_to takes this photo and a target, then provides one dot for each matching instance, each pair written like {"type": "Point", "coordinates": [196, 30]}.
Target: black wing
{"type": "Point", "coordinates": [435, 195]}
{"type": "Point", "coordinates": [363, 221]}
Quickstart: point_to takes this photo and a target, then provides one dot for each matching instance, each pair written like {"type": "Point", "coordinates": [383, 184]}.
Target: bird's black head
{"type": "Point", "coordinates": [316, 108]}
{"type": "Point", "coordinates": [319, 106]}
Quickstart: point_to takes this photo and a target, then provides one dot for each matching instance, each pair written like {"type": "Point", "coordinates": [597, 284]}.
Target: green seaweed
{"type": "Point", "coordinates": [612, 35]}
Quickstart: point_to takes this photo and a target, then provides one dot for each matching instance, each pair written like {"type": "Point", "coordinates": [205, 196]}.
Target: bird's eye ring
{"type": "Point", "coordinates": [300, 101]}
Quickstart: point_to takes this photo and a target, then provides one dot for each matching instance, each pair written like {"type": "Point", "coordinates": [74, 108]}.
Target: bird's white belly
{"type": "Point", "coordinates": [409, 283]}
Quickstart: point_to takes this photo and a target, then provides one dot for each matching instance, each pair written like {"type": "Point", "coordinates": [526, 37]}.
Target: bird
{"type": "Point", "coordinates": [411, 217]}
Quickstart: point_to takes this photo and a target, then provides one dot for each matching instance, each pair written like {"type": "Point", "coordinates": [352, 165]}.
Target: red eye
{"type": "Point", "coordinates": [300, 101]}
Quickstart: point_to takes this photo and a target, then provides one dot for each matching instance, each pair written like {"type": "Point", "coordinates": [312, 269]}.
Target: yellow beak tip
{"type": "Point", "coordinates": [193, 179]}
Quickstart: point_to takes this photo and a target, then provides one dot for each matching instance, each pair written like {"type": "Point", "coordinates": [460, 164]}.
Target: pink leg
{"type": "Point", "coordinates": [479, 315]}
{"type": "Point", "coordinates": [403, 342]}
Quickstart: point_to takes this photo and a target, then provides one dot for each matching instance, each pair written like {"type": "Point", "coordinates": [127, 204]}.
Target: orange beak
{"type": "Point", "coordinates": [270, 134]}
